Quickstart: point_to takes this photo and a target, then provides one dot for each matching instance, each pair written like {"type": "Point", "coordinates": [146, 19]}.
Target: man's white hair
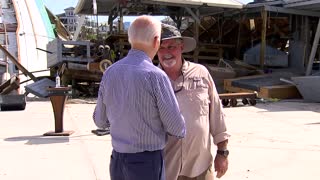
{"type": "Point", "coordinates": [143, 30]}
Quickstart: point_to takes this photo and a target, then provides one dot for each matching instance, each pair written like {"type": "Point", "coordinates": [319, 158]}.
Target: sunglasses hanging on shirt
{"type": "Point", "coordinates": [181, 87]}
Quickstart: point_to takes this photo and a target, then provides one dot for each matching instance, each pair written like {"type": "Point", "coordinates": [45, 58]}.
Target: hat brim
{"type": "Point", "coordinates": [189, 43]}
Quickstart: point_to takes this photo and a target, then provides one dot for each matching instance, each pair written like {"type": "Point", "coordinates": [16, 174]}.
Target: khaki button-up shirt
{"type": "Point", "coordinates": [200, 105]}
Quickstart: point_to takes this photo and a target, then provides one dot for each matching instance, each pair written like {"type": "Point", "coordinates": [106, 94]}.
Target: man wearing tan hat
{"type": "Point", "coordinates": [190, 158]}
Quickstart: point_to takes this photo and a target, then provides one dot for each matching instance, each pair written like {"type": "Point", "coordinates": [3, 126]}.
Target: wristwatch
{"type": "Point", "coordinates": [224, 153]}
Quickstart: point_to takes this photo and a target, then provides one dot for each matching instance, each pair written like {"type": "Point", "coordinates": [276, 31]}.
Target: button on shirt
{"type": "Point", "coordinates": [200, 105]}
{"type": "Point", "coordinates": [137, 102]}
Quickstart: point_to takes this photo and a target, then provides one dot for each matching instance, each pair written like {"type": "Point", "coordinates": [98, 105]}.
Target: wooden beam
{"type": "Point", "coordinates": [263, 37]}
{"type": "Point", "coordinates": [10, 85]}
{"type": "Point", "coordinates": [279, 92]}
{"type": "Point", "coordinates": [283, 10]}
{"type": "Point", "coordinates": [202, 57]}
{"type": "Point", "coordinates": [306, 34]}
{"type": "Point", "coordinates": [195, 17]}
{"type": "Point", "coordinates": [239, 37]}
{"type": "Point", "coordinates": [196, 37]}
{"type": "Point", "coordinates": [229, 88]}
{"type": "Point", "coordinates": [204, 49]}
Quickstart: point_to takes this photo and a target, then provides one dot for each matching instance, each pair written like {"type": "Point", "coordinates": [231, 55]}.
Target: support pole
{"type": "Point", "coordinates": [239, 38]}
{"type": "Point", "coordinates": [78, 28]}
{"type": "Point", "coordinates": [196, 17]}
{"type": "Point", "coordinates": [263, 37]}
{"type": "Point", "coordinates": [121, 31]}
{"type": "Point", "coordinates": [196, 37]}
{"type": "Point", "coordinates": [313, 50]}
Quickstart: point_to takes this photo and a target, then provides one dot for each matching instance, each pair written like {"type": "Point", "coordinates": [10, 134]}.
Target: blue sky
{"type": "Point", "coordinates": [57, 7]}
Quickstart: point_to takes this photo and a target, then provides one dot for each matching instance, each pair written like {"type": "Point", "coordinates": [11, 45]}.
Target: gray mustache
{"type": "Point", "coordinates": [167, 56]}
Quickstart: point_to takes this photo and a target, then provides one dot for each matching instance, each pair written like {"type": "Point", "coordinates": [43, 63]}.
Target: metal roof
{"type": "Point", "coordinates": [313, 5]}
{"type": "Point", "coordinates": [297, 7]}
{"type": "Point", "coordinates": [210, 3]}
{"type": "Point", "coordinates": [153, 7]}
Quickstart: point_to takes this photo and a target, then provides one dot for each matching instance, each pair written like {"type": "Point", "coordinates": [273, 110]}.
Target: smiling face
{"type": "Point", "coordinates": [169, 53]}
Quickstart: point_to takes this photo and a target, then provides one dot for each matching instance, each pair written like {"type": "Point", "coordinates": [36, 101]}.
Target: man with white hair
{"type": "Point", "coordinates": [137, 102]}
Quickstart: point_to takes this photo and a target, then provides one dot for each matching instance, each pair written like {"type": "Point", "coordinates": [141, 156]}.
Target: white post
{"type": "Point", "coordinates": [78, 29]}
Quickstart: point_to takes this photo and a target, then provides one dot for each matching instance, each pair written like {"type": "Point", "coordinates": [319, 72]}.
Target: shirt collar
{"type": "Point", "coordinates": [139, 54]}
{"type": "Point", "coordinates": [185, 66]}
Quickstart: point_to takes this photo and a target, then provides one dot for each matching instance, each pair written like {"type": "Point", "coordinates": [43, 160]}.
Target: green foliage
{"type": "Point", "coordinates": [91, 36]}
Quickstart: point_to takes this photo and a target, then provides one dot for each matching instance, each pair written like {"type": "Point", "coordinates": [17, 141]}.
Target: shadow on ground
{"type": "Point", "coordinates": [317, 123]}
{"type": "Point", "coordinates": [288, 105]}
{"type": "Point", "coordinates": [39, 139]}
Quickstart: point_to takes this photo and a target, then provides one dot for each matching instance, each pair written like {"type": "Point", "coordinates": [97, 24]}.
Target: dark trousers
{"type": "Point", "coordinates": [148, 165]}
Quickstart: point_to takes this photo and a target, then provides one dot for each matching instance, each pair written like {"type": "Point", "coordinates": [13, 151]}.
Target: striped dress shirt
{"type": "Point", "coordinates": [137, 102]}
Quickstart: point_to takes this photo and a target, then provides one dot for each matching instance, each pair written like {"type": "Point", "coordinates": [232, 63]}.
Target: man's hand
{"type": "Point", "coordinates": [220, 165]}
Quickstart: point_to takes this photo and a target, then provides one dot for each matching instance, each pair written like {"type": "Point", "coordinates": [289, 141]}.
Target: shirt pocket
{"type": "Point", "coordinates": [199, 99]}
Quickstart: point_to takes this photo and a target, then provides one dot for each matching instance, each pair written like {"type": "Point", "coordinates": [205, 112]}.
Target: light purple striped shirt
{"type": "Point", "coordinates": [137, 102]}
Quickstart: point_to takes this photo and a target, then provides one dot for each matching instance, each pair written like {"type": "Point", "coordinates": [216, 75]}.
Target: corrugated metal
{"type": "Point", "coordinates": [104, 7]}
{"type": "Point", "coordinates": [210, 3]}
{"type": "Point", "coordinates": [264, 3]}
{"type": "Point", "coordinates": [313, 5]}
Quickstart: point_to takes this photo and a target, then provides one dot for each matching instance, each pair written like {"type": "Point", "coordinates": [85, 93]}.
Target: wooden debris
{"type": "Point", "coordinates": [279, 92]}
{"type": "Point", "coordinates": [283, 91]}
{"type": "Point", "coordinates": [10, 85]}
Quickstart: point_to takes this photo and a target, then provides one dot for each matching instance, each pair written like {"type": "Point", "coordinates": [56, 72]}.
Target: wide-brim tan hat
{"type": "Point", "coordinates": [171, 32]}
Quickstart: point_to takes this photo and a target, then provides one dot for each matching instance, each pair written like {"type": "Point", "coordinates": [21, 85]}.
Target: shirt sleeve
{"type": "Point", "coordinates": [99, 115]}
{"type": "Point", "coordinates": [217, 123]}
{"type": "Point", "coordinates": [169, 111]}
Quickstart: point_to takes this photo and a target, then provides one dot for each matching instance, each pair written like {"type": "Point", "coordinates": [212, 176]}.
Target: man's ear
{"type": "Point", "coordinates": [156, 41]}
